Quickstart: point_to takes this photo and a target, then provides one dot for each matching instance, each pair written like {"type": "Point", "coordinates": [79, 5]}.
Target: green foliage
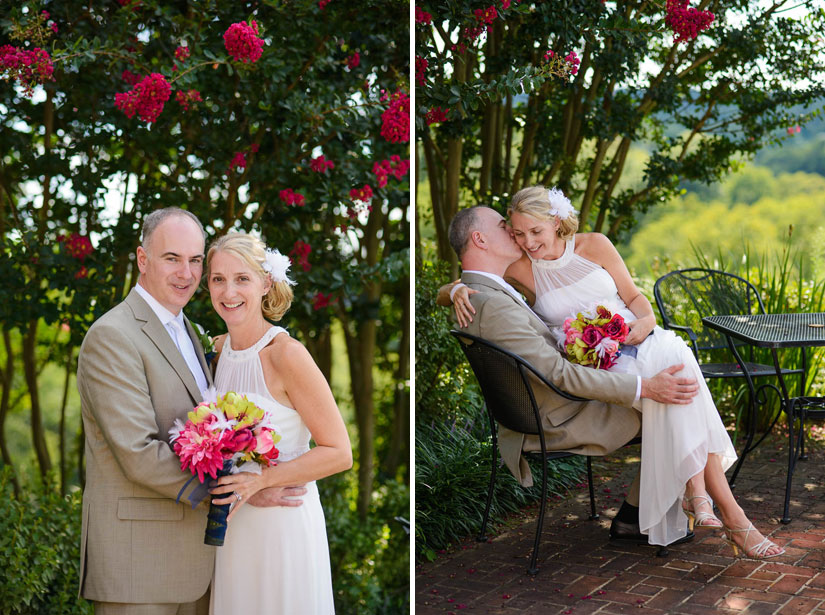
{"type": "Point", "coordinates": [40, 551]}
{"type": "Point", "coordinates": [370, 559]}
{"type": "Point", "coordinates": [698, 107]}
{"type": "Point", "coordinates": [452, 475]}
{"type": "Point", "coordinates": [753, 207]}
{"type": "Point", "coordinates": [445, 387]}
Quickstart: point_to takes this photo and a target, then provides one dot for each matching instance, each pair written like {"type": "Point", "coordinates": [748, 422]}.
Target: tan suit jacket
{"type": "Point", "coordinates": [592, 427]}
{"type": "Point", "coordinates": [137, 544]}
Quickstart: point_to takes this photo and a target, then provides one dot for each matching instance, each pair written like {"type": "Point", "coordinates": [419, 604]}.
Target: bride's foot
{"type": "Point", "coordinates": [699, 510]}
{"type": "Point", "coordinates": [751, 542]}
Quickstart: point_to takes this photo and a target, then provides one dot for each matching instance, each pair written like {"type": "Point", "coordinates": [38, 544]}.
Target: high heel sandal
{"type": "Point", "coordinates": [701, 518]}
{"type": "Point", "coordinates": [754, 552]}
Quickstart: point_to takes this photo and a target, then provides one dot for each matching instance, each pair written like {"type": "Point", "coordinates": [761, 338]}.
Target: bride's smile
{"type": "Point", "coordinates": [538, 239]}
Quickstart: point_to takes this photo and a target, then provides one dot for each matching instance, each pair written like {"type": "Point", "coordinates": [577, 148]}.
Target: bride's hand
{"type": "Point", "coordinates": [464, 310]}
{"type": "Point", "coordinates": [243, 484]}
{"type": "Point", "coordinates": [639, 329]}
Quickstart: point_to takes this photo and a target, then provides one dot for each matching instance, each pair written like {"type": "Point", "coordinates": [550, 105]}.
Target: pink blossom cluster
{"type": "Point", "coordinates": [322, 4]}
{"type": "Point", "coordinates": [436, 115]}
{"type": "Point", "coordinates": [238, 160]}
{"type": "Point", "coordinates": [299, 255]}
{"type": "Point", "coordinates": [686, 22]}
{"type": "Point", "coordinates": [486, 16]}
{"type": "Point", "coordinates": [146, 98]}
{"type": "Point", "coordinates": [562, 67]}
{"type": "Point", "coordinates": [794, 129]}
{"type": "Point", "coordinates": [353, 60]}
{"type": "Point", "coordinates": [321, 301]}
{"type": "Point", "coordinates": [78, 246]}
{"type": "Point", "coordinates": [395, 120]}
{"type": "Point", "coordinates": [186, 98]}
{"type": "Point", "coordinates": [242, 42]}
{"type": "Point", "coordinates": [130, 77]}
{"type": "Point", "coordinates": [361, 194]}
{"type": "Point", "coordinates": [573, 62]}
{"type": "Point", "coordinates": [181, 53]}
{"type": "Point", "coordinates": [45, 15]}
{"type": "Point", "coordinates": [421, 65]}
{"type": "Point", "coordinates": [29, 67]}
{"type": "Point", "coordinates": [321, 164]}
{"type": "Point", "coordinates": [394, 166]}
{"type": "Point", "coordinates": [505, 4]}
{"type": "Point", "coordinates": [422, 16]}
{"type": "Point", "coordinates": [290, 197]}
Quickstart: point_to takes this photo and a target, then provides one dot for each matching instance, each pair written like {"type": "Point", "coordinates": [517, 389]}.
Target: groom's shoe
{"type": "Point", "coordinates": [620, 530]}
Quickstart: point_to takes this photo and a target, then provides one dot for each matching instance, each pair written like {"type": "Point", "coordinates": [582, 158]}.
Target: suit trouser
{"type": "Point", "coordinates": [199, 607]}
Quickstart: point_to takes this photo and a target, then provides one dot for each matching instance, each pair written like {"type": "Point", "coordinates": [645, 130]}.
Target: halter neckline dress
{"type": "Point", "coordinates": [275, 560]}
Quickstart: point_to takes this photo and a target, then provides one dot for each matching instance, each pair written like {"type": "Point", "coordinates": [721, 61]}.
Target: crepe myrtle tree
{"type": "Point", "coordinates": [288, 119]}
{"type": "Point", "coordinates": [511, 93]}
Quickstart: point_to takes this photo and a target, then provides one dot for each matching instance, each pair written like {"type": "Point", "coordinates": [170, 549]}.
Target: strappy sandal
{"type": "Point", "coordinates": [755, 552]}
{"type": "Point", "coordinates": [701, 518]}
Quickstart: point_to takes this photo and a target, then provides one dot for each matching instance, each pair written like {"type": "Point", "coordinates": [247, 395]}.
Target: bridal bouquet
{"type": "Point", "coordinates": [224, 435]}
{"type": "Point", "coordinates": [594, 338]}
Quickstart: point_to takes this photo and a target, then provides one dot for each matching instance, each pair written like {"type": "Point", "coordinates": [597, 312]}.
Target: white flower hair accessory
{"type": "Point", "coordinates": [560, 205]}
{"type": "Point", "coordinates": [276, 265]}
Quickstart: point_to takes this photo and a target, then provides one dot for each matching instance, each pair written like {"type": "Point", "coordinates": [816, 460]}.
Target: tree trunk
{"type": "Point", "coordinates": [63, 455]}
{"type": "Point", "coordinates": [7, 376]}
{"type": "Point", "coordinates": [321, 350]}
{"type": "Point", "coordinates": [360, 349]}
{"type": "Point", "coordinates": [30, 370]}
{"type": "Point", "coordinates": [399, 450]}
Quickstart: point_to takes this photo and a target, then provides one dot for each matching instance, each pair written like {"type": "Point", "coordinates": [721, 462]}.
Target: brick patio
{"type": "Point", "coordinates": [581, 572]}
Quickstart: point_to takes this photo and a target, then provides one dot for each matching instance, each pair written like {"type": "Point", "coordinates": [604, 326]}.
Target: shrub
{"type": "Point", "coordinates": [39, 551]}
{"type": "Point", "coordinates": [445, 387]}
{"type": "Point", "coordinates": [370, 558]}
{"type": "Point", "coordinates": [452, 474]}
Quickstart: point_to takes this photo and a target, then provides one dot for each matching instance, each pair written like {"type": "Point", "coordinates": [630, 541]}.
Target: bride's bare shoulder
{"type": "Point", "coordinates": [593, 244]}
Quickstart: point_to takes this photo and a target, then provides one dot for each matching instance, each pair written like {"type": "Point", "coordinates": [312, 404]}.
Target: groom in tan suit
{"type": "Point", "coordinates": [481, 238]}
{"type": "Point", "coordinates": [140, 367]}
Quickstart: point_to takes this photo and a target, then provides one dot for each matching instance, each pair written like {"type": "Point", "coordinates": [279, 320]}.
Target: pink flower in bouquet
{"type": "Point", "coordinates": [607, 347]}
{"type": "Point", "coordinates": [201, 450]}
{"type": "Point", "coordinates": [617, 328]}
{"type": "Point", "coordinates": [265, 444]}
{"type": "Point", "coordinates": [241, 440]}
{"type": "Point", "coordinates": [592, 335]}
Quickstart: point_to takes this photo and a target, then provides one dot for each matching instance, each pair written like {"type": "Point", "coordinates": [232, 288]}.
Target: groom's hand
{"type": "Point", "coordinates": [278, 496]}
{"type": "Point", "coordinates": [667, 388]}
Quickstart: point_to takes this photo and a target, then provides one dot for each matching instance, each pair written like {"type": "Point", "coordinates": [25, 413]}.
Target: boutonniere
{"type": "Point", "coordinates": [208, 343]}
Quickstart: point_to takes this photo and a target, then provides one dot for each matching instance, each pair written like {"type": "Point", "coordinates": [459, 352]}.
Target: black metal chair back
{"type": "Point", "coordinates": [508, 394]}
{"type": "Point", "coordinates": [685, 296]}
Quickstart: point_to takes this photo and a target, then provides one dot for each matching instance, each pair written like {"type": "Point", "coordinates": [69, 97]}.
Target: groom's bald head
{"type": "Point", "coordinates": [465, 222]}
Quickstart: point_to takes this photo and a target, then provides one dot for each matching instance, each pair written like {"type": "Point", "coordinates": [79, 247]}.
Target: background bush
{"type": "Point", "coordinates": [39, 551]}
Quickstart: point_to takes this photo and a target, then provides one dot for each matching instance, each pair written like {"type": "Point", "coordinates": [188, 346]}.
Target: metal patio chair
{"type": "Point", "coordinates": [508, 393]}
{"type": "Point", "coordinates": [683, 298]}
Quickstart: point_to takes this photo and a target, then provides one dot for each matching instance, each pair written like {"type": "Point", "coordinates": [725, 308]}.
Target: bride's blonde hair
{"type": "Point", "coordinates": [252, 251]}
{"type": "Point", "coordinates": [538, 201]}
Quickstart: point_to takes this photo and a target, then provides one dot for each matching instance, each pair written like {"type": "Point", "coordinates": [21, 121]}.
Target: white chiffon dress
{"type": "Point", "coordinates": [274, 561]}
{"type": "Point", "coordinates": [676, 439]}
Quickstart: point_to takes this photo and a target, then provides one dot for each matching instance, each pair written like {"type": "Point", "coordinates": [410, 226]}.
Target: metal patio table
{"type": "Point", "coordinates": [775, 331]}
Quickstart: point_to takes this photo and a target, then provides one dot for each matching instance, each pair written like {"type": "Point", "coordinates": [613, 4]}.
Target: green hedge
{"type": "Point", "coordinates": [39, 551]}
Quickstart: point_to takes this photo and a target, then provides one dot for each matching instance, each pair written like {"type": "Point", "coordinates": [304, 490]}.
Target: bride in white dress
{"type": "Point", "coordinates": [686, 448]}
{"type": "Point", "coordinates": [274, 560]}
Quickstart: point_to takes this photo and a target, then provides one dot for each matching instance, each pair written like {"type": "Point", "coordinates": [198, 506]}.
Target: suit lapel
{"type": "Point", "coordinates": [160, 337]}
{"type": "Point", "coordinates": [476, 280]}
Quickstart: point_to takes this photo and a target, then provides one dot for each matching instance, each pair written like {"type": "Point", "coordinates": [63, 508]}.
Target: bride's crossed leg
{"type": "Point", "coordinates": [738, 529]}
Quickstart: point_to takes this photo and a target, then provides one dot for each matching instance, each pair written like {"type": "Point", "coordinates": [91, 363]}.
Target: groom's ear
{"type": "Point", "coordinates": [141, 258]}
{"type": "Point", "coordinates": [478, 239]}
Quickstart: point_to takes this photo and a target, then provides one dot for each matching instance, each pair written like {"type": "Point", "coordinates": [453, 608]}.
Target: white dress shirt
{"type": "Point", "coordinates": [183, 342]}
